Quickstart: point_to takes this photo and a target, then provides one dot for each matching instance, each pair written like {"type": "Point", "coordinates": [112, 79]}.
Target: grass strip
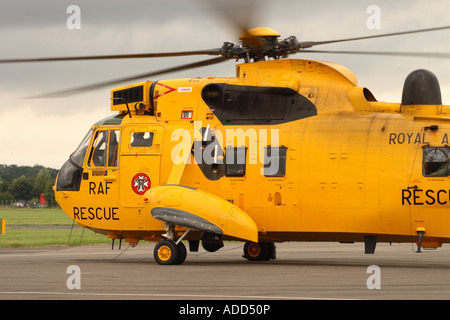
{"type": "Point", "coordinates": [50, 237]}
{"type": "Point", "coordinates": [40, 217]}
{"type": "Point", "coordinates": [19, 232]}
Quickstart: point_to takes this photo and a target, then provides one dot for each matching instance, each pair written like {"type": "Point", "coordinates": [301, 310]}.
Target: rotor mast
{"type": "Point", "coordinates": [259, 43]}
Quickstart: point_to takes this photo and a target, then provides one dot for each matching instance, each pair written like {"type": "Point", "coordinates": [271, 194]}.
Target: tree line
{"type": "Point", "coordinates": [26, 183]}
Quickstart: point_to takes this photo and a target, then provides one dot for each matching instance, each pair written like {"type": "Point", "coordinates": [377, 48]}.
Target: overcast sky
{"type": "Point", "coordinates": [46, 131]}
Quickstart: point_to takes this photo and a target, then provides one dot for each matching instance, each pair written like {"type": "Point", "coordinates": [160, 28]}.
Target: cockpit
{"type": "Point", "coordinates": [103, 153]}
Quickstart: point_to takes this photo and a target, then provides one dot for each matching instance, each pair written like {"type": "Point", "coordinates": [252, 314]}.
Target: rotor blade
{"type": "Point", "coordinates": [119, 56]}
{"type": "Point", "coordinates": [309, 44]}
{"type": "Point", "coordinates": [387, 53]}
{"type": "Point", "coordinates": [68, 92]}
{"type": "Point", "coordinates": [240, 14]}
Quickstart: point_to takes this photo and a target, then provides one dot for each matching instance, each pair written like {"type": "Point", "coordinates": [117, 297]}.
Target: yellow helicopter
{"type": "Point", "coordinates": [285, 150]}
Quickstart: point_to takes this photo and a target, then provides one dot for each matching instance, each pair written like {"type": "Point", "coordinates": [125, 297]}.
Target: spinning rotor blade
{"type": "Point", "coordinates": [237, 12]}
{"type": "Point", "coordinates": [309, 44]}
{"type": "Point", "coordinates": [120, 56]}
{"type": "Point", "coordinates": [68, 92]}
{"type": "Point", "coordinates": [387, 53]}
{"type": "Point", "coordinates": [240, 13]}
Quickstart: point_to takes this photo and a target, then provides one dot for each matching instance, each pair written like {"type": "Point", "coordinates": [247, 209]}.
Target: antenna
{"type": "Point", "coordinates": [126, 102]}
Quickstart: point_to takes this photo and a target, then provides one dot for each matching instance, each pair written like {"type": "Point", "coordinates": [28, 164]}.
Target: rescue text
{"type": "Point", "coordinates": [98, 213]}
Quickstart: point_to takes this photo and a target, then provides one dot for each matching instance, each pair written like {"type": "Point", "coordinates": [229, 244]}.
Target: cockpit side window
{"type": "Point", "coordinates": [436, 162]}
{"type": "Point", "coordinates": [97, 158]}
{"type": "Point", "coordinates": [113, 148]}
{"type": "Point", "coordinates": [104, 151]}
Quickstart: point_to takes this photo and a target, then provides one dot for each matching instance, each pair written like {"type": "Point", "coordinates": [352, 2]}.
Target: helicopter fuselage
{"type": "Point", "coordinates": [292, 149]}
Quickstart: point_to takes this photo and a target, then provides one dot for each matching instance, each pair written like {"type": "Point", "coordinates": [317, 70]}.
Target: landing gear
{"type": "Point", "coordinates": [172, 251]}
{"type": "Point", "coordinates": [211, 242]}
{"type": "Point", "coordinates": [259, 251]}
{"type": "Point", "coordinates": [167, 252]}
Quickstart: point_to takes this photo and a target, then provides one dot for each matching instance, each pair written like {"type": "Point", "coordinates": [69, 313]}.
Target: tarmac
{"type": "Point", "coordinates": [301, 271]}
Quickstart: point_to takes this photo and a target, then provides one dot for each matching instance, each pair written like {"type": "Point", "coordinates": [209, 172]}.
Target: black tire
{"type": "Point", "coordinates": [211, 242]}
{"type": "Point", "coordinates": [182, 252]}
{"type": "Point", "coordinates": [271, 251]}
{"type": "Point", "coordinates": [166, 252]}
{"type": "Point", "coordinates": [261, 251]}
{"type": "Point", "coordinates": [255, 251]}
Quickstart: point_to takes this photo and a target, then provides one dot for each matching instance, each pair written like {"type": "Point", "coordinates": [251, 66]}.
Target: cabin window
{"type": "Point", "coordinates": [275, 161]}
{"type": "Point", "coordinates": [105, 149]}
{"type": "Point", "coordinates": [142, 139]}
{"type": "Point", "coordinates": [235, 161]}
{"type": "Point", "coordinates": [436, 162]}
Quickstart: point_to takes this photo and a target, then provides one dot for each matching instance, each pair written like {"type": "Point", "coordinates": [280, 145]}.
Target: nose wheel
{"type": "Point", "coordinates": [167, 252]}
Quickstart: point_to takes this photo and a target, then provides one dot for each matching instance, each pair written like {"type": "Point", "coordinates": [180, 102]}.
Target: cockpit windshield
{"type": "Point", "coordinates": [78, 155]}
{"type": "Point", "coordinates": [69, 177]}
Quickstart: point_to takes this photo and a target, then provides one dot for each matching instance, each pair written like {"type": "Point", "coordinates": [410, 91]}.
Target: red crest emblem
{"type": "Point", "coordinates": [140, 183]}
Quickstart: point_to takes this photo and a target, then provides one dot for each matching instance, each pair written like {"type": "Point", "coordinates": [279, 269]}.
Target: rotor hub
{"type": "Point", "coordinates": [258, 32]}
{"type": "Point", "coordinates": [257, 44]}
